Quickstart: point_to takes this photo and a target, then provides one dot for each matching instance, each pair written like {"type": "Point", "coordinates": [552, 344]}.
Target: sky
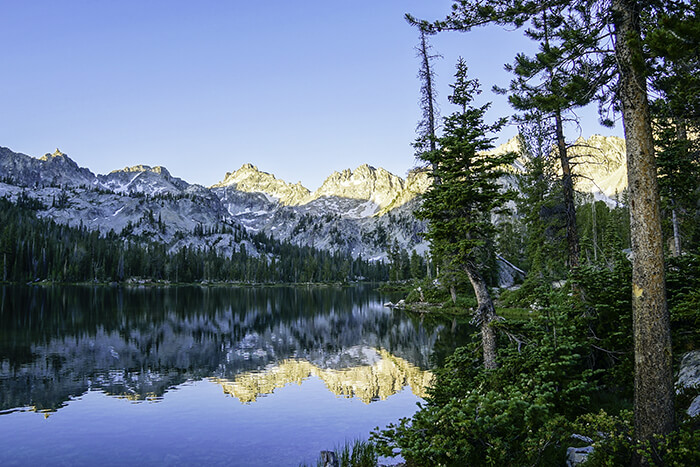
{"type": "Point", "coordinates": [298, 88]}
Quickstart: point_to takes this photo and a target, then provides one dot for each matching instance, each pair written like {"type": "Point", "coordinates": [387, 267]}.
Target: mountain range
{"type": "Point", "coordinates": [362, 212]}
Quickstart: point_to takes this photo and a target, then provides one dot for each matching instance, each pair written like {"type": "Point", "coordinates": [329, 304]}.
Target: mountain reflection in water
{"type": "Point", "coordinates": [383, 376]}
{"type": "Point", "coordinates": [57, 343]}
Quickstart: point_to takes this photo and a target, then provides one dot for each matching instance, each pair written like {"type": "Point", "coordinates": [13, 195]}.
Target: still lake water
{"type": "Point", "coordinates": [204, 376]}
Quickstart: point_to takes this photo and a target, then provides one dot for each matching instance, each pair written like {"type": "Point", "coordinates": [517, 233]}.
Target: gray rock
{"type": "Point", "coordinates": [694, 408]}
{"type": "Point", "coordinates": [689, 373]}
{"type": "Point", "coordinates": [583, 438]}
{"type": "Point", "coordinates": [689, 380]}
{"type": "Point", "coordinates": [576, 456]}
{"type": "Point", "coordinates": [55, 169]}
{"type": "Point", "coordinates": [329, 459]}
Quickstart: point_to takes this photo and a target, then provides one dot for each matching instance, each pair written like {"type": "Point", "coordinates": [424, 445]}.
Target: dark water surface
{"type": "Point", "coordinates": [214, 376]}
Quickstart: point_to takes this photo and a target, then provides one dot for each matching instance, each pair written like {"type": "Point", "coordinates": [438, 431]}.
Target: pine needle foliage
{"type": "Point", "coordinates": [460, 207]}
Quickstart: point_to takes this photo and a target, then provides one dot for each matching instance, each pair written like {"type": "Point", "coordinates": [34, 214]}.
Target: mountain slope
{"type": "Point", "coordinates": [361, 212]}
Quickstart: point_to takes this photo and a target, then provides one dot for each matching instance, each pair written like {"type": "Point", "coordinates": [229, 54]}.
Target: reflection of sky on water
{"type": "Point", "coordinates": [197, 423]}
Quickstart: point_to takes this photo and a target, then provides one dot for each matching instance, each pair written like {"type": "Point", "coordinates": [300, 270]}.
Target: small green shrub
{"type": "Point", "coordinates": [614, 442]}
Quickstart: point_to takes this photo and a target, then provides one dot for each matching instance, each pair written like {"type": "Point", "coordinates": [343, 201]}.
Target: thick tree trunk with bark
{"type": "Point", "coordinates": [485, 314]}
{"type": "Point", "coordinates": [653, 385]}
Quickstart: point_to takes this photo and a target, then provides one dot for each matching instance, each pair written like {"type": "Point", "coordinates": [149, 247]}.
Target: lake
{"type": "Point", "coordinates": [196, 375]}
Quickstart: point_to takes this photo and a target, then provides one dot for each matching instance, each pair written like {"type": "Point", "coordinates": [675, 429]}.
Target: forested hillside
{"type": "Point", "coordinates": [35, 249]}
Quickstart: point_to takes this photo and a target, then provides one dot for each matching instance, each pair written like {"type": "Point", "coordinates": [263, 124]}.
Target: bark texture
{"type": "Point", "coordinates": [485, 314]}
{"type": "Point", "coordinates": [653, 395]}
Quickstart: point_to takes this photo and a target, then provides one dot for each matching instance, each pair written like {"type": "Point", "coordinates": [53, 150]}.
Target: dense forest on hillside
{"type": "Point", "coordinates": [35, 249]}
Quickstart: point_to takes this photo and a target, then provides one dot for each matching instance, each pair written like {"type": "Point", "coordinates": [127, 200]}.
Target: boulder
{"type": "Point", "coordinates": [688, 381]}
{"type": "Point", "coordinates": [329, 459]}
{"type": "Point", "coordinates": [694, 408]}
{"type": "Point", "coordinates": [689, 373]}
{"type": "Point", "coordinates": [576, 456]}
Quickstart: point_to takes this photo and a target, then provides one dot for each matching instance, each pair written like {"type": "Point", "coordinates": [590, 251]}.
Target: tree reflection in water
{"type": "Point", "coordinates": [59, 342]}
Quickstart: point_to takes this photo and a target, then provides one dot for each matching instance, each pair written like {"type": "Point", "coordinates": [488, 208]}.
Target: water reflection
{"type": "Point", "coordinates": [59, 342]}
{"type": "Point", "coordinates": [382, 375]}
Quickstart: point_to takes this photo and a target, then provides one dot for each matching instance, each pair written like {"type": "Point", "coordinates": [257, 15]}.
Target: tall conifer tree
{"type": "Point", "coordinates": [460, 207]}
{"type": "Point", "coordinates": [673, 40]}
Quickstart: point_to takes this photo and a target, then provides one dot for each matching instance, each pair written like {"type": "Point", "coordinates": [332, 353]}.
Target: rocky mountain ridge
{"type": "Point", "coordinates": [361, 212]}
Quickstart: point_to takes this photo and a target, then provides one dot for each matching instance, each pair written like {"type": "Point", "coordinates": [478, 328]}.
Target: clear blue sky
{"type": "Point", "coordinates": [298, 88]}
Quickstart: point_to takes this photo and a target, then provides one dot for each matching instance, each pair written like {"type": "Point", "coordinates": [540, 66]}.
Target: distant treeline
{"type": "Point", "coordinates": [34, 249]}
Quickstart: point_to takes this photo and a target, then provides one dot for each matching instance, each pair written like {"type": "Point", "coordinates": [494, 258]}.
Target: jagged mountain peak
{"type": "Point", "coordinates": [142, 179]}
{"type": "Point", "coordinates": [247, 171]}
{"type": "Point", "coordinates": [57, 157]}
{"type": "Point", "coordinates": [249, 166]}
{"type": "Point", "coordinates": [363, 179]}
{"type": "Point", "coordinates": [378, 187]}
{"type": "Point", "coordinates": [362, 171]}
{"type": "Point", "coordinates": [144, 168]}
{"type": "Point", "coordinates": [56, 153]}
{"type": "Point", "coordinates": [50, 169]}
{"type": "Point", "coordinates": [252, 180]}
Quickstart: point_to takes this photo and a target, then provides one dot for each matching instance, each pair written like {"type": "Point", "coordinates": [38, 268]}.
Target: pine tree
{"type": "Point", "coordinates": [673, 40]}
{"type": "Point", "coordinates": [610, 33]}
{"type": "Point", "coordinates": [427, 127]}
{"type": "Point", "coordinates": [549, 86]}
{"type": "Point", "coordinates": [539, 206]}
{"type": "Point", "coordinates": [460, 207]}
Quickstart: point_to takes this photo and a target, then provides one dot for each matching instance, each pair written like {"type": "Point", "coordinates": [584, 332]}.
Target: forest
{"type": "Point", "coordinates": [578, 364]}
{"type": "Point", "coordinates": [35, 249]}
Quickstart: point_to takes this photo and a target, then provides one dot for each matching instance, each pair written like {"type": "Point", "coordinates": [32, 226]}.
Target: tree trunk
{"type": "Point", "coordinates": [682, 136]}
{"type": "Point", "coordinates": [485, 314]}
{"type": "Point", "coordinates": [428, 97]}
{"type": "Point", "coordinates": [676, 231]}
{"type": "Point", "coordinates": [567, 177]}
{"type": "Point", "coordinates": [594, 231]}
{"type": "Point", "coordinates": [567, 181]}
{"type": "Point", "coordinates": [429, 91]}
{"type": "Point", "coordinates": [653, 385]}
